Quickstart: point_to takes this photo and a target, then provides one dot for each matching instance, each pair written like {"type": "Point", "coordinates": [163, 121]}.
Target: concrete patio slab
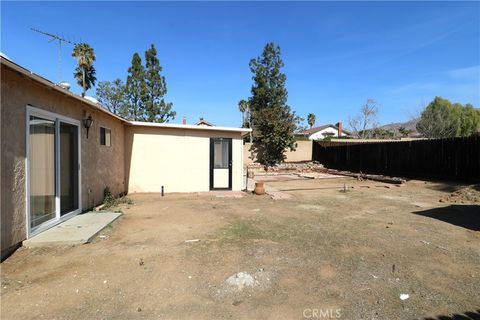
{"type": "Point", "coordinates": [223, 194]}
{"type": "Point", "coordinates": [77, 230]}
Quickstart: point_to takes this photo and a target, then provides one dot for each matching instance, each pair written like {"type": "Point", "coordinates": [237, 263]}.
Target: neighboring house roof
{"type": "Point", "coordinates": [97, 106]}
{"type": "Point", "coordinates": [203, 122]}
{"type": "Point", "coordinates": [320, 128]}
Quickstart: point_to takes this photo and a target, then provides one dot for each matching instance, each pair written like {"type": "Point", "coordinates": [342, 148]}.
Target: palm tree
{"type": "Point", "coordinates": [85, 72]}
{"type": "Point", "coordinates": [85, 77]}
{"type": "Point", "coordinates": [311, 119]}
{"type": "Point", "coordinates": [243, 106]}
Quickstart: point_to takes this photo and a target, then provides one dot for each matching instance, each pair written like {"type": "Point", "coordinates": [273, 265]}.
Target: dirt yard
{"type": "Point", "coordinates": [323, 253]}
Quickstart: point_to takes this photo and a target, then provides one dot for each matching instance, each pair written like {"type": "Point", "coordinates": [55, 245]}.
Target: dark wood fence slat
{"type": "Point", "coordinates": [452, 158]}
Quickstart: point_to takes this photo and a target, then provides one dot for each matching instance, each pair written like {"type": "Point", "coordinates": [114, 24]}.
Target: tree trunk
{"type": "Point", "coordinates": [249, 120]}
{"type": "Point", "coordinates": [251, 127]}
{"type": "Point", "coordinates": [83, 78]}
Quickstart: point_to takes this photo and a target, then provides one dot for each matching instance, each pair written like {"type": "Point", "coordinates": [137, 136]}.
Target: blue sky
{"type": "Point", "coordinates": [336, 54]}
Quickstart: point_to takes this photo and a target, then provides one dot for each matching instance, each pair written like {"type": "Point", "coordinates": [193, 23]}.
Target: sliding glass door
{"type": "Point", "coordinates": [42, 170]}
{"type": "Point", "coordinates": [68, 168]}
{"type": "Point", "coordinates": [53, 169]}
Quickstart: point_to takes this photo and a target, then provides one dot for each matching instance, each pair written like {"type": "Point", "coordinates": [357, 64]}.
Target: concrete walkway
{"type": "Point", "coordinates": [78, 230]}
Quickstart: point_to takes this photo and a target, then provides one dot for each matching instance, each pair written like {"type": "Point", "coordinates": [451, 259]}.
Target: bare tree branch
{"type": "Point", "coordinates": [366, 122]}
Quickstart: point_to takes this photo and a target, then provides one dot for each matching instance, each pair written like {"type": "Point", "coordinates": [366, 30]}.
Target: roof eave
{"type": "Point", "coordinates": [188, 127]}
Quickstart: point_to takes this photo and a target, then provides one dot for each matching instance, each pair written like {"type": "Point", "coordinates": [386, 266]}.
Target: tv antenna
{"type": "Point", "coordinates": [61, 40]}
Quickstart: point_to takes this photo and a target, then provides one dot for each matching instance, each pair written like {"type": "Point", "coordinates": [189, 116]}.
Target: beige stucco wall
{"type": "Point", "coordinates": [303, 152]}
{"type": "Point", "coordinates": [101, 166]}
{"type": "Point", "coordinates": [178, 159]}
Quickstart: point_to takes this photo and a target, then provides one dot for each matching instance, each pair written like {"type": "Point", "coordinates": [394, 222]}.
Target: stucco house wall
{"type": "Point", "coordinates": [101, 166]}
{"type": "Point", "coordinates": [176, 158]}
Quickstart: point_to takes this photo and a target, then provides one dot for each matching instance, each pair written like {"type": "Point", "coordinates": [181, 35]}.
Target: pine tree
{"type": "Point", "coordinates": [273, 121]}
{"type": "Point", "coordinates": [156, 109]}
{"type": "Point", "coordinates": [135, 90]}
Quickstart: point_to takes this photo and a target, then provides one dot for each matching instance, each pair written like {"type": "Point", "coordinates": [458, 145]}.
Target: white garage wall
{"type": "Point", "coordinates": [178, 159]}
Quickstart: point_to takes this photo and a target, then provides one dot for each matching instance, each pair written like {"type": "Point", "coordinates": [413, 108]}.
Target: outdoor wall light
{"type": "Point", "coordinates": [87, 123]}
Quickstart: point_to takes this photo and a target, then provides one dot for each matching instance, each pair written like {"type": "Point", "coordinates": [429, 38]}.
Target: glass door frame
{"type": "Point", "coordinates": [57, 118]}
{"type": "Point", "coordinates": [212, 161]}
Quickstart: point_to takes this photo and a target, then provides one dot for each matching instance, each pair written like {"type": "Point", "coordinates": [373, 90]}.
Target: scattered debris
{"type": "Point", "coordinates": [102, 236]}
{"type": "Point", "coordinates": [442, 247]}
{"type": "Point", "coordinates": [404, 296]}
{"type": "Point", "coordinates": [470, 194]}
{"type": "Point", "coordinates": [192, 240]}
{"type": "Point", "coordinates": [255, 168]}
{"type": "Point", "coordinates": [361, 176]}
{"type": "Point", "coordinates": [305, 175]}
{"type": "Point", "coordinates": [100, 207]}
{"type": "Point", "coordinates": [104, 281]}
{"type": "Point", "coordinates": [425, 242]}
{"type": "Point", "coordinates": [277, 195]}
{"type": "Point", "coordinates": [241, 280]}
{"type": "Point", "coordinates": [141, 262]}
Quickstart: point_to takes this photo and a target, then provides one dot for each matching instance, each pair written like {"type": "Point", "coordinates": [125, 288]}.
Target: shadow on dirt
{"type": "Point", "coordinates": [466, 216]}
{"type": "Point", "coordinates": [472, 315]}
{"type": "Point", "coordinates": [450, 186]}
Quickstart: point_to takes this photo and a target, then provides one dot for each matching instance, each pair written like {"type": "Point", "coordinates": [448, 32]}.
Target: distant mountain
{"type": "Point", "coordinates": [409, 125]}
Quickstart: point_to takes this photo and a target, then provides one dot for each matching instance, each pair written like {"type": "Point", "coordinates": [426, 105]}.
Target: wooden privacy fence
{"type": "Point", "coordinates": [452, 158]}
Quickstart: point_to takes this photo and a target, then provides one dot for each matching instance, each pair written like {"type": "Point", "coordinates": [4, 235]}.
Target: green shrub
{"type": "Point", "coordinates": [109, 200]}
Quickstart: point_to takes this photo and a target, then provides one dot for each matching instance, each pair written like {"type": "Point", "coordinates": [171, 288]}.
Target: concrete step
{"type": "Point", "coordinates": [78, 230]}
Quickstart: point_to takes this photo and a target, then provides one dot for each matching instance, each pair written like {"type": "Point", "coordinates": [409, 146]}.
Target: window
{"type": "Point", "coordinates": [220, 152]}
{"type": "Point", "coordinates": [105, 137]}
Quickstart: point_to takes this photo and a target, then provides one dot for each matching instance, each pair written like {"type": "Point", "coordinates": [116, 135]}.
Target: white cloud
{"type": "Point", "coordinates": [468, 73]}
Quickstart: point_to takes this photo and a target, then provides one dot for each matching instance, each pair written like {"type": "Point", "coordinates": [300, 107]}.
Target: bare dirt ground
{"type": "Point", "coordinates": [321, 253]}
